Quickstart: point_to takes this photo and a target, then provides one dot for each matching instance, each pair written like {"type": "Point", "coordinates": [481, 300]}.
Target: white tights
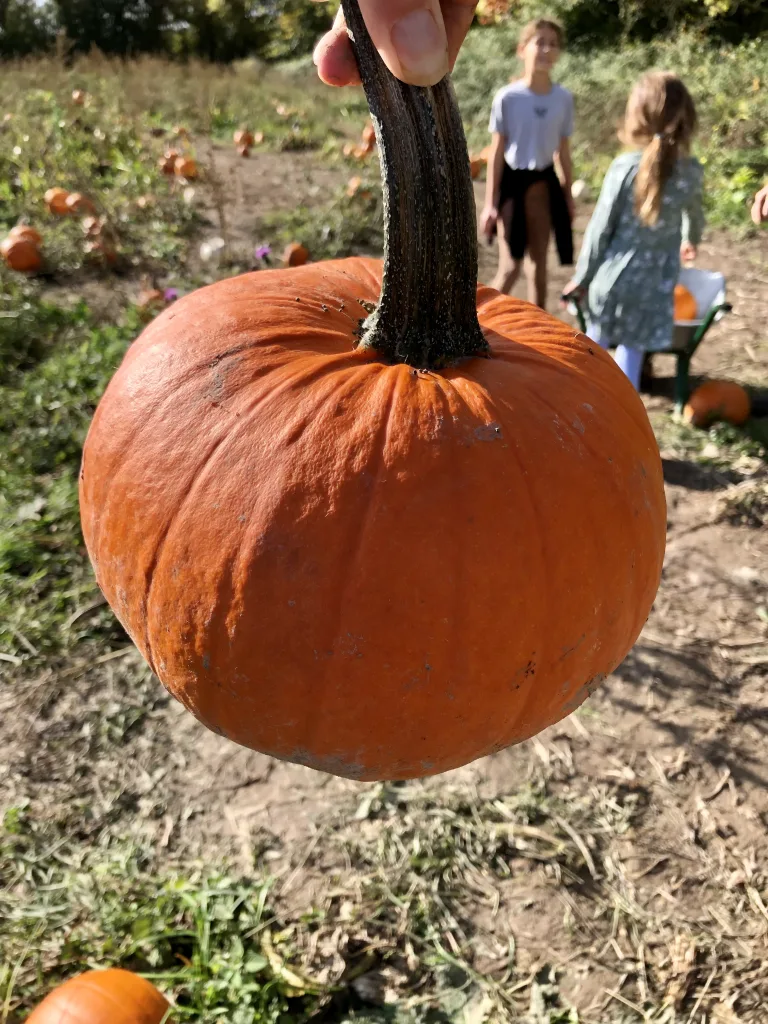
{"type": "Point", "coordinates": [630, 360]}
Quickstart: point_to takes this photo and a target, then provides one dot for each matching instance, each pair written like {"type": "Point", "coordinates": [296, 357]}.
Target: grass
{"type": "Point", "coordinates": [97, 866]}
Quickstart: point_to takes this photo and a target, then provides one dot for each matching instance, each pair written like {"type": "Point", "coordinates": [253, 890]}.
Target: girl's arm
{"type": "Point", "coordinates": [493, 183]}
{"type": "Point", "coordinates": [566, 170]}
{"type": "Point", "coordinates": [693, 216]}
{"type": "Point", "coordinates": [600, 229]}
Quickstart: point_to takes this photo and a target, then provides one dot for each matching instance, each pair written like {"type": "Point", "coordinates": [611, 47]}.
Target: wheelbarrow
{"type": "Point", "coordinates": [708, 289]}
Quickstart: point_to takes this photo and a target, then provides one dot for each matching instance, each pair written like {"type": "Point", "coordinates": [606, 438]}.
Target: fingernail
{"type": "Point", "coordinates": [421, 47]}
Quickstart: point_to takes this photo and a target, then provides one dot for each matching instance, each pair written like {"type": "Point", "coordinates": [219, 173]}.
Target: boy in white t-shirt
{"type": "Point", "coordinates": [531, 123]}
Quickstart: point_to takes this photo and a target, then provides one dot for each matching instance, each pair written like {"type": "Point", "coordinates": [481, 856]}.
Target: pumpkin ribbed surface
{"type": "Point", "coordinates": [375, 571]}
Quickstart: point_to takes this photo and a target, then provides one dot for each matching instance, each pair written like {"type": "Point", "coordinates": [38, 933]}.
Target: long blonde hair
{"type": "Point", "coordinates": [660, 118]}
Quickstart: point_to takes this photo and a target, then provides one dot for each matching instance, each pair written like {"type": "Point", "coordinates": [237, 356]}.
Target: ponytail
{"type": "Point", "coordinates": [656, 167]}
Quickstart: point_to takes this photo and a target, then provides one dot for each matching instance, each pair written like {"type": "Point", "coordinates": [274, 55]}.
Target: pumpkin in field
{"type": "Point", "coordinates": [79, 97]}
{"type": "Point", "coordinates": [381, 544]}
{"type": "Point", "coordinates": [79, 205]}
{"type": "Point", "coordinates": [243, 138]}
{"type": "Point", "coordinates": [167, 162]}
{"type": "Point", "coordinates": [476, 166]}
{"type": "Point", "coordinates": [369, 135]}
{"type": "Point", "coordinates": [26, 232]}
{"type": "Point", "coordinates": [686, 306]}
{"type": "Point", "coordinates": [185, 167]}
{"type": "Point", "coordinates": [295, 255]}
{"type": "Point", "coordinates": [244, 151]}
{"type": "Point", "coordinates": [21, 255]}
{"type": "Point", "coordinates": [56, 201]}
{"type": "Point", "coordinates": [718, 400]}
{"type": "Point", "coordinates": [103, 997]}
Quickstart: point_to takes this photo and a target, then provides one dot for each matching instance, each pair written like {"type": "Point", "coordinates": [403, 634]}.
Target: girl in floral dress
{"type": "Point", "coordinates": [648, 217]}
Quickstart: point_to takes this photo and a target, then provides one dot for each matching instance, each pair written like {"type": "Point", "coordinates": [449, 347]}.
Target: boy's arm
{"type": "Point", "coordinates": [565, 161]}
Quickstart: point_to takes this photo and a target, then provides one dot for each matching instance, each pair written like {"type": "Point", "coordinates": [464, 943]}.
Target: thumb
{"type": "Point", "coordinates": [410, 36]}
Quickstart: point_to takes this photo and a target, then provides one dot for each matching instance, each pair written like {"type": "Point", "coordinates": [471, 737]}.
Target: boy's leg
{"type": "Point", "coordinates": [509, 269]}
{"type": "Point", "coordinates": [539, 227]}
{"type": "Point", "coordinates": [630, 360]}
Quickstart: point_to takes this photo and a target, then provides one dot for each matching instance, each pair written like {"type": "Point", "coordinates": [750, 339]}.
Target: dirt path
{"type": "Point", "coordinates": [665, 769]}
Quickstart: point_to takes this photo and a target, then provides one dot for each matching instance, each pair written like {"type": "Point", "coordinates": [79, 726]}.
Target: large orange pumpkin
{"type": "Point", "coordinates": [718, 400]}
{"type": "Point", "coordinates": [21, 255]}
{"type": "Point", "coordinates": [383, 546]}
{"type": "Point", "coordinates": [686, 306]}
{"type": "Point", "coordinates": [103, 997]}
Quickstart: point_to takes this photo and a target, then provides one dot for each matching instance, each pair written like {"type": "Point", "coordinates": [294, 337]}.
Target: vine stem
{"type": "Point", "coordinates": [427, 313]}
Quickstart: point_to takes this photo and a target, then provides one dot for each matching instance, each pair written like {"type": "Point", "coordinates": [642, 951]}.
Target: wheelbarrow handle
{"type": "Point", "coordinates": [573, 300]}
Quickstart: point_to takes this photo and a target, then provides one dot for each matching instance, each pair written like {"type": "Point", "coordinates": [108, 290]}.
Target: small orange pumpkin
{"type": "Point", "coordinates": [349, 149]}
{"type": "Point", "coordinates": [354, 185]}
{"type": "Point", "coordinates": [243, 137]}
{"type": "Point", "coordinates": [56, 201]}
{"type": "Point", "coordinates": [79, 97]}
{"type": "Point", "coordinates": [113, 996]}
{"type": "Point", "coordinates": [476, 166]}
{"type": "Point", "coordinates": [718, 400]}
{"type": "Point", "coordinates": [26, 232]}
{"type": "Point", "coordinates": [295, 255]}
{"type": "Point", "coordinates": [369, 135]}
{"type": "Point", "coordinates": [167, 162]}
{"type": "Point", "coordinates": [79, 205]}
{"type": "Point", "coordinates": [102, 250]}
{"type": "Point", "coordinates": [21, 255]}
{"type": "Point", "coordinates": [185, 167]}
{"type": "Point", "coordinates": [686, 306]}
{"type": "Point", "coordinates": [244, 151]}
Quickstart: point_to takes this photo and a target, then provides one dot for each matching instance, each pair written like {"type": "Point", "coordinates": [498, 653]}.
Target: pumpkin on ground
{"type": "Point", "coordinates": [243, 137]}
{"type": "Point", "coordinates": [686, 306]}
{"type": "Point", "coordinates": [476, 165]}
{"type": "Point", "coordinates": [718, 400]}
{"type": "Point", "coordinates": [79, 205]}
{"type": "Point", "coordinates": [79, 97]}
{"type": "Point", "coordinates": [113, 996]}
{"type": "Point", "coordinates": [295, 255]}
{"type": "Point", "coordinates": [379, 545]}
{"type": "Point", "coordinates": [21, 255]}
{"type": "Point", "coordinates": [167, 162]}
{"type": "Point", "coordinates": [26, 232]}
{"type": "Point", "coordinates": [56, 201]}
{"type": "Point", "coordinates": [185, 167]}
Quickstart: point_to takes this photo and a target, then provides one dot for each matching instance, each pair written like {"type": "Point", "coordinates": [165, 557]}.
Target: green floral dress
{"type": "Point", "coordinates": [630, 269]}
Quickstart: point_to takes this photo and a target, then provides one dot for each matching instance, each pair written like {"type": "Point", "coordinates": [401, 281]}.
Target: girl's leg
{"type": "Point", "coordinates": [539, 226]}
{"type": "Point", "coordinates": [630, 360]}
{"type": "Point", "coordinates": [509, 269]}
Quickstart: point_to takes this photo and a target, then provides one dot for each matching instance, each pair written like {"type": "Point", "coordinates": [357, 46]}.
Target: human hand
{"type": "Point", "coordinates": [418, 40]}
{"type": "Point", "coordinates": [760, 206]}
{"type": "Point", "coordinates": [572, 291]}
{"type": "Point", "coordinates": [488, 219]}
{"type": "Point", "coordinates": [688, 252]}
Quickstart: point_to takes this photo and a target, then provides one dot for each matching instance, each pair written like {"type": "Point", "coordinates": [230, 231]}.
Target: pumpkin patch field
{"type": "Point", "coordinates": [612, 868]}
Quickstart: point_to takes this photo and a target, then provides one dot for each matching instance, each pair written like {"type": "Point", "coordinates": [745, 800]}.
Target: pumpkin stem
{"type": "Point", "coordinates": [427, 313]}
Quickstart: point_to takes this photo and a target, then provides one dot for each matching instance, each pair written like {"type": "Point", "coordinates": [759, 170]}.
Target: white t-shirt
{"type": "Point", "coordinates": [533, 124]}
